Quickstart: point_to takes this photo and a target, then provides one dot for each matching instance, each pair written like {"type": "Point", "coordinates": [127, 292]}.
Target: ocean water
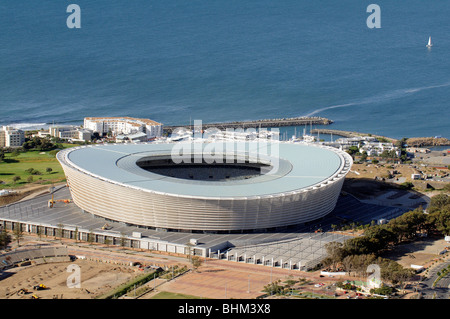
{"type": "Point", "coordinates": [175, 61]}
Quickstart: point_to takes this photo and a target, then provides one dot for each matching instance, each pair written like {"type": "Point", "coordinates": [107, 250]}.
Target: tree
{"type": "Point", "coordinates": [18, 232]}
{"type": "Point", "coordinates": [90, 238]}
{"type": "Point", "coordinates": [76, 234]}
{"type": "Point", "coordinates": [273, 288]}
{"type": "Point", "coordinates": [15, 153]}
{"type": "Point", "coordinates": [39, 231]}
{"type": "Point", "coordinates": [16, 179]}
{"type": "Point", "coordinates": [380, 237]}
{"type": "Point", "coordinates": [358, 246]}
{"type": "Point", "coordinates": [48, 170]}
{"type": "Point", "coordinates": [394, 272]}
{"type": "Point", "coordinates": [46, 146]}
{"type": "Point", "coordinates": [352, 150]}
{"type": "Point", "coordinates": [443, 222]}
{"type": "Point", "coordinates": [290, 282]}
{"type": "Point", "coordinates": [358, 263]}
{"type": "Point", "coordinates": [60, 231]}
{"type": "Point", "coordinates": [401, 143]}
{"type": "Point", "coordinates": [383, 290]}
{"type": "Point", "coordinates": [38, 143]}
{"type": "Point", "coordinates": [5, 239]}
{"type": "Point", "coordinates": [438, 202]}
{"type": "Point", "coordinates": [407, 225]}
{"type": "Point", "coordinates": [123, 239]}
{"type": "Point", "coordinates": [447, 186]}
{"type": "Point", "coordinates": [364, 156]}
{"type": "Point", "coordinates": [335, 253]}
{"type": "Point", "coordinates": [196, 262]}
{"type": "Point", "coordinates": [407, 185]}
{"type": "Point", "coordinates": [28, 145]}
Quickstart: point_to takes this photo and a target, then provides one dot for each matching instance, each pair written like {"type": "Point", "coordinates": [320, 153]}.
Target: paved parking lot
{"type": "Point", "coordinates": [299, 245]}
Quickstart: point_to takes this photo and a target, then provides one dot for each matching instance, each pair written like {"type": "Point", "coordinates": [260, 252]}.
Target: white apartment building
{"type": "Point", "coordinates": [11, 137]}
{"type": "Point", "coordinates": [376, 149]}
{"type": "Point", "coordinates": [123, 126]}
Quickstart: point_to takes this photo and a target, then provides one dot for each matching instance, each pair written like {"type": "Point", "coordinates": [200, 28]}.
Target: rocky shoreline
{"type": "Point", "coordinates": [427, 141]}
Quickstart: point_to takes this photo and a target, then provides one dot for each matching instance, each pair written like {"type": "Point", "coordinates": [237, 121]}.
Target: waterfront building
{"type": "Point", "coordinates": [115, 126]}
{"type": "Point", "coordinates": [71, 133]}
{"type": "Point", "coordinates": [11, 137]}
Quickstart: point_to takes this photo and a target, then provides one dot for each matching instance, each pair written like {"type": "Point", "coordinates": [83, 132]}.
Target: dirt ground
{"type": "Point", "coordinates": [215, 279]}
{"type": "Point", "coordinates": [96, 278]}
{"type": "Point", "coordinates": [380, 170]}
{"type": "Point", "coordinates": [25, 192]}
{"type": "Point", "coordinates": [101, 269]}
{"type": "Point", "coordinates": [218, 279]}
{"type": "Point", "coordinates": [420, 252]}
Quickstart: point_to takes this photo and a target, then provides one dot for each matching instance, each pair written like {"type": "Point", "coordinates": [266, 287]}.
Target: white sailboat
{"type": "Point", "coordinates": [429, 45]}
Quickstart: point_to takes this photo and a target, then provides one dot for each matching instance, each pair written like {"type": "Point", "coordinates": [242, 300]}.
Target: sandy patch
{"type": "Point", "coordinates": [96, 278]}
{"type": "Point", "coordinates": [419, 252]}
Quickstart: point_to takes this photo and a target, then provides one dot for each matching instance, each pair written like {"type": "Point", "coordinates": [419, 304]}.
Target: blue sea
{"type": "Point", "coordinates": [175, 61]}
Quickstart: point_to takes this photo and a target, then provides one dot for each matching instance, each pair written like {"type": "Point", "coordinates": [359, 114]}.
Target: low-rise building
{"type": "Point", "coordinates": [71, 133]}
{"type": "Point", "coordinates": [418, 150]}
{"type": "Point", "coordinates": [136, 137]}
{"type": "Point", "coordinates": [377, 148]}
{"type": "Point", "coordinates": [11, 137]}
{"type": "Point", "coordinates": [115, 126]}
{"type": "Point", "coordinates": [365, 144]}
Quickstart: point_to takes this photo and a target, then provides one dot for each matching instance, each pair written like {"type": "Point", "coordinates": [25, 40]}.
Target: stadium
{"type": "Point", "coordinates": [206, 187]}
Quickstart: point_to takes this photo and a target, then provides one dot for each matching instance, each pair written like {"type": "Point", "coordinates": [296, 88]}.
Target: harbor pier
{"type": "Point", "coordinates": [265, 123]}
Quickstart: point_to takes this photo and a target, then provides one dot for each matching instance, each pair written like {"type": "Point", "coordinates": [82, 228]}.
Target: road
{"type": "Point", "coordinates": [441, 290]}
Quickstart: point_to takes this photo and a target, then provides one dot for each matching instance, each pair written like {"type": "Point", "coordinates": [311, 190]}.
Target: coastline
{"type": "Point", "coordinates": [410, 141]}
{"type": "Point", "coordinates": [274, 123]}
{"type": "Point", "coordinates": [350, 134]}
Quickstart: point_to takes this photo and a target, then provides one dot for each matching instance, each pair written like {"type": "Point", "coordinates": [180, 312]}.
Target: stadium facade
{"type": "Point", "coordinates": [206, 187]}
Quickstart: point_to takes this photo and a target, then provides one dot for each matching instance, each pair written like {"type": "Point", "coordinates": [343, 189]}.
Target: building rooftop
{"type": "Point", "coordinates": [300, 166]}
{"type": "Point", "coordinates": [123, 119]}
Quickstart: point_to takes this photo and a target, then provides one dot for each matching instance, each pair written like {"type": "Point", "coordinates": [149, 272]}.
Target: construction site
{"type": "Point", "coordinates": [110, 254]}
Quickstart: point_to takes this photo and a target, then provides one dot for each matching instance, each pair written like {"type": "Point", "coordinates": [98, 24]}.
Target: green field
{"type": "Point", "coordinates": [17, 164]}
{"type": "Point", "coordinates": [171, 295]}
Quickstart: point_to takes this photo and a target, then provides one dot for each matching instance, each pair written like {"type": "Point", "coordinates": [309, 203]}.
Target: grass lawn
{"type": "Point", "coordinates": [311, 295]}
{"type": "Point", "coordinates": [172, 295]}
{"type": "Point", "coordinates": [17, 165]}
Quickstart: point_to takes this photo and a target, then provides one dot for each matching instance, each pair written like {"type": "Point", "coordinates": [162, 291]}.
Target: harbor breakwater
{"type": "Point", "coordinates": [266, 123]}
{"type": "Point", "coordinates": [412, 141]}
{"type": "Point", "coordinates": [350, 134]}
